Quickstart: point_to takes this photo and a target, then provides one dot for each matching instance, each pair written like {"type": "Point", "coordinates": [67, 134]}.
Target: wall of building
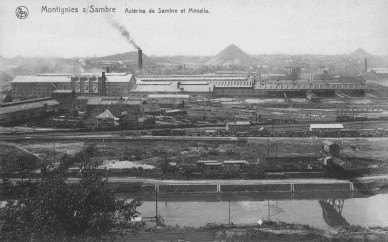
{"type": "Point", "coordinates": [26, 111]}
{"type": "Point", "coordinates": [36, 89]}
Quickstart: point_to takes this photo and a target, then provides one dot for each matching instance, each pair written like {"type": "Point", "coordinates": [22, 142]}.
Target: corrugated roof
{"type": "Point", "coordinates": [197, 88]}
{"type": "Point", "coordinates": [62, 91]}
{"type": "Point", "coordinates": [236, 162]}
{"type": "Point", "coordinates": [195, 83]}
{"type": "Point", "coordinates": [28, 106]}
{"type": "Point", "coordinates": [133, 102]}
{"type": "Point", "coordinates": [152, 83]}
{"type": "Point", "coordinates": [41, 79]}
{"type": "Point", "coordinates": [213, 164]}
{"type": "Point", "coordinates": [297, 86]}
{"type": "Point", "coordinates": [233, 83]}
{"type": "Point", "coordinates": [207, 161]}
{"type": "Point", "coordinates": [326, 126]}
{"type": "Point", "coordinates": [192, 78]}
{"type": "Point", "coordinates": [103, 101]}
{"type": "Point", "coordinates": [239, 123]}
{"type": "Point", "coordinates": [157, 88]}
{"type": "Point", "coordinates": [118, 78]}
{"type": "Point", "coordinates": [168, 96]}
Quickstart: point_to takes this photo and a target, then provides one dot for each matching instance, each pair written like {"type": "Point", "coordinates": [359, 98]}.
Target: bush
{"type": "Point", "coordinates": [55, 210]}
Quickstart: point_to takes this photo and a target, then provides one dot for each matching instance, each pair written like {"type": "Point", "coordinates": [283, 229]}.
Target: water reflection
{"type": "Point", "coordinates": [319, 210]}
{"type": "Point", "coordinates": [332, 210]}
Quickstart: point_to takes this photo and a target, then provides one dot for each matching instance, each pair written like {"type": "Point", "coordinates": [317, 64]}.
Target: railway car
{"type": "Point", "coordinates": [360, 118]}
{"type": "Point", "coordinates": [161, 132]}
{"type": "Point", "coordinates": [381, 132]}
{"type": "Point", "coordinates": [348, 132]}
{"type": "Point", "coordinates": [367, 132]}
{"type": "Point", "coordinates": [178, 132]}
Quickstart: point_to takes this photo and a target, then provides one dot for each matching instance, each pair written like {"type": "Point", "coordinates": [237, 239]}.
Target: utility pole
{"type": "Point", "coordinates": [269, 212]}
{"type": "Point", "coordinates": [54, 143]}
{"type": "Point", "coordinates": [229, 212]}
{"type": "Point", "coordinates": [156, 201]}
{"type": "Point", "coordinates": [268, 147]}
{"type": "Point", "coordinates": [276, 148]}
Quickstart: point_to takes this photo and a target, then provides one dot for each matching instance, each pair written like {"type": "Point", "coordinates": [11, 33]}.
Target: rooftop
{"type": "Point", "coordinates": [192, 78]}
{"type": "Point", "coordinates": [326, 126]}
{"type": "Point", "coordinates": [63, 77]}
{"type": "Point", "coordinates": [197, 87]}
{"type": "Point", "coordinates": [62, 91]}
{"type": "Point", "coordinates": [42, 79]}
{"type": "Point", "coordinates": [207, 161]}
{"type": "Point", "coordinates": [184, 96]}
{"type": "Point", "coordinates": [239, 123]}
{"type": "Point", "coordinates": [157, 88]}
{"type": "Point", "coordinates": [236, 162]}
{"type": "Point", "coordinates": [381, 70]}
{"type": "Point", "coordinates": [306, 85]}
{"type": "Point", "coordinates": [101, 101]}
{"type": "Point", "coordinates": [118, 78]}
{"type": "Point", "coordinates": [28, 106]}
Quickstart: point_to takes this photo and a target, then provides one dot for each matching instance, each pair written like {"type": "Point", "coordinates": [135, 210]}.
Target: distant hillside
{"type": "Point", "coordinates": [127, 57]}
{"type": "Point", "coordinates": [360, 53]}
{"type": "Point", "coordinates": [231, 55]}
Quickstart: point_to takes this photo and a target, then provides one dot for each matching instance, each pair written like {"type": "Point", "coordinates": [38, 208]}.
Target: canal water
{"type": "Point", "coordinates": [321, 212]}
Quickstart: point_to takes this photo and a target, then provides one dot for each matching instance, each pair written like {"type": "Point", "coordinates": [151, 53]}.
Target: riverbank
{"type": "Point", "coordinates": [267, 231]}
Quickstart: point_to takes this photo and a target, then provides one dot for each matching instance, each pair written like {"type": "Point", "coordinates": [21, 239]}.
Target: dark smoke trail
{"type": "Point", "coordinates": [124, 32]}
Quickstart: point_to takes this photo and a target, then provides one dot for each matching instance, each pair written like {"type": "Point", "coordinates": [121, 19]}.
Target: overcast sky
{"type": "Point", "coordinates": [257, 27]}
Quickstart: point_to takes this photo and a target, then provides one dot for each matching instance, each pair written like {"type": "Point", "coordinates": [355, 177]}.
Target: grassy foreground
{"type": "Point", "coordinates": [268, 231]}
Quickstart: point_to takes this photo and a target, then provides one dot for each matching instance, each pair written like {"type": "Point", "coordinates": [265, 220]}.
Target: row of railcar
{"type": "Point", "coordinates": [267, 133]}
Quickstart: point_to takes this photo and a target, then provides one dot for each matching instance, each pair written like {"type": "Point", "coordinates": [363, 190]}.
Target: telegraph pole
{"type": "Point", "coordinates": [229, 212]}
{"type": "Point", "coordinates": [156, 201]}
{"type": "Point", "coordinates": [276, 148]}
{"type": "Point", "coordinates": [268, 147]}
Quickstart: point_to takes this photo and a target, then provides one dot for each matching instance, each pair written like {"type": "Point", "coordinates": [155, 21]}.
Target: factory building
{"type": "Point", "coordinates": [116, 106]}
{"type": "Point", "coordinates": [197, 86]}
{"type": "Point", "coordinates": [5, 98]}
{"type": "Point", "coordinates": [168, 100]}
{"type": "Point", "coordinates": [89, 84]}
{"type": "Point", "coordinates": [65, 98]}
{"type": "Point", "coordinates": [103, 84]}
{"type": "Point", "coordinates": [301, 88]}
{"type": "Point", "coordinates": [194, 89]}
{"type": "Point", "coordinates": [32, 87]}
{"type": "Point", "coordinates": [27, 110]}
{"type": "Point", "coordinates": [223, 80]}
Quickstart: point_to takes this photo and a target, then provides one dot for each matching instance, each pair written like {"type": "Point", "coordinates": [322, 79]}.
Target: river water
{"type": "Point", "coordinates": [321, 212]}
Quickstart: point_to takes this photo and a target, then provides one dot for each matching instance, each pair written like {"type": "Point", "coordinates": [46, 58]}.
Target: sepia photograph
{"type": "Point", "coordinates": [195, 120]}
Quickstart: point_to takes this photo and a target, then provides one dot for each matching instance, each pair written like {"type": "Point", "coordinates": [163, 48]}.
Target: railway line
{"type": "Point", "coordinates": [111, 137]}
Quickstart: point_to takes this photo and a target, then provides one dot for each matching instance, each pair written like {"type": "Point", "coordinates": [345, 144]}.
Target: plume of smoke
{"type": "Point", "coordinates": [124, 32]}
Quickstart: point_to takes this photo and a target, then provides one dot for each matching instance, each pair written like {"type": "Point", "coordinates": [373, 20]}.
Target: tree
{"type": "Point", "coordinates": [294, 75]}
{"type": "Point", "coordinates": [326, 76]}
{"type": "Point", "coordinates": [15, 160]}
{"type": "Point", "coordinates": [57, 210]}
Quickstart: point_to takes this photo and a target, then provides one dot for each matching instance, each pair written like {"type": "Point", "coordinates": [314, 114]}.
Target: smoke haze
{"type": "Point", "coordinates": [124, 32]}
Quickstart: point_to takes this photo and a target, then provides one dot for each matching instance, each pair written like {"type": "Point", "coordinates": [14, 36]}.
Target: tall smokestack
{"type": "Point", "coordinates": [103, 84]}
{"type": "Point", "coordinates": [139, 59]}
{"type": "Point", "coordinates": [366, 64]}
{"type": "Point", "coordinates": [107, 69]}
